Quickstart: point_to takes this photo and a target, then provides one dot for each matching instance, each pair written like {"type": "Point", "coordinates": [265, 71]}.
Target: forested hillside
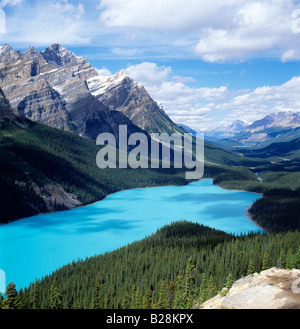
{"type": "Point", "coordinates": [34, 156]}
{"type": "Point", "coordinates": [37, 155]}
{"type": "Point", "coordinates": [182, 264]}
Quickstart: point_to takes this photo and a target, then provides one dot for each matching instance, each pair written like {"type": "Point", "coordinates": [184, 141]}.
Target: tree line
{"type": "Point", "coordinates": [181, 265]}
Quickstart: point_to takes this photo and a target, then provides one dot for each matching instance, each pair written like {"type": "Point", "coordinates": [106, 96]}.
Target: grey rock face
{"type": "Point", "coordinates": [6, 111]}
{"type": "Point", "coordinates": [5, 108]}
{"type": "Point", "coordinates": [50, 87]}
{"type": "Point", "coordinates": [123, 94]}
{"type": "Point", "coordinates": [61, 57]}
{"type": "Point", "coordinates": [59, 89]}
{"type": "Point", "coordinates": [7, 54]}
{"type": "Point", "coordinates": [270, 289]}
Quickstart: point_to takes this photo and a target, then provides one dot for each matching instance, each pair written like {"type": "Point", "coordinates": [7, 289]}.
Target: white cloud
{"type": "Point", "coordinates": [104, 72]}
{"type": "Point", "coordinates": [215, 31]}
{"type": "Point", "coordinates": [184, 104]}
{"type": "Point", "coordinates": [5, 3]}
{"type": "Point", "coordinates": [177, 78]}
{"type": "Point", "coordinates": [226, 30]}
{"type": "Point", "coordinates": [258, 27]}
{"type": "Point", "coordinates": [265, 100]}
{"type": "Point", "coordinates": [148, 74]}
{"type": "Point", "coordinates": [167, 15]}
{"type": "Point", "coordinates": [292, 54]}
{"type": "Point", "coordinates": [46, 22]}
{"type": "Point", "coordinates": [207, 107]}
{"type": "Point", "coordinates": [128, 53]}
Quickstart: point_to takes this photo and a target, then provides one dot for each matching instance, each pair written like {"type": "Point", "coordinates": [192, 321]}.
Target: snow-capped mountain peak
{"type": "Point", "coordinates": [99, 85]}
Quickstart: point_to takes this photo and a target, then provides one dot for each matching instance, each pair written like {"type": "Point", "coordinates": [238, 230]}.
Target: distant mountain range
{"type": "Point", "coordinates": [223, 132]}
{"type": "Point", "coordinates": [279, 127]}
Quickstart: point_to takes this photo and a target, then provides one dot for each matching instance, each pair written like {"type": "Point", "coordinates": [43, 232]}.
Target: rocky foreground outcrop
{"type": "Point", "coordinates": [271, 289]}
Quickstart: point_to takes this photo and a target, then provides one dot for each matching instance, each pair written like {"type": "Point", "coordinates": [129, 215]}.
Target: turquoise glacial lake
{"type": "Point", "coordinates": [33, 247]}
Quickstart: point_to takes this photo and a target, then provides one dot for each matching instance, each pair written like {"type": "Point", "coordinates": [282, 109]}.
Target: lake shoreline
{"type": "Point", "coordinates": [74, 235]}
{"type": "Point", "coordinates": [248, 215]}
{"type": "Point", "coordinates": [253, 221]}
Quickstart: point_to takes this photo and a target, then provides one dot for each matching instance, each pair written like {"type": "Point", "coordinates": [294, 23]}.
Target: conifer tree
{"type": "Point", "coordinates": [189, 279]}
{"type": "Point", "coordinates": [86, 301]}
{"type": "Point", "coordinates": [44, 304]}
{"type": "Point", "coordinates": [189, 302]}
{"type": "Point", "coordinates": [265, 262]}
{"type": "Point", "coordinates": [251, 268]}
{"type": "Point", "coordinates": [11, 294]}
{"type": "Point", "coordinates": [162, 304]}
{"type": "Point", "coordinates": [55, 298]}
{"type": "Point", "coordinates": [211, 288]}
{"type": "Point", "coordinates": [138, 299]}
{"type": "Point", "coordinates": [95, 304]}
{"type": "Point", "coordinates": [203, 290]}
{"type": "Point", "coordinates": [229, 281]}
{"type": "Point", "coordinates": [150, 261]}
{"type": "Point", "coordinates": [282, 259]}
{"type": "Point", "coordinates": [145, 305]}
{"type": "Point", "coordinates": [34, 297]}
{"type": "Point", "coordinates": [125, 301]}
{"type": "Point", "coordinates": [147, 300]}
{"type": "Point", "coordinates": [179, 297]}
{"type": "Point", "coordinates": [297, 259]}
{"type": "Point", "coordinates": [107, 300]}
{"type": "Point", "coordinates": [133, 298]}
{"type": "Point", "coordinates": [290, 260]}
{"type": "Point", "coordinates": [170, 295]}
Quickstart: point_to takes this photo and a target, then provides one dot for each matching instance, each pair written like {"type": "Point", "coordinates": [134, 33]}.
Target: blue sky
{"type": "Point", "coordinates": [208, 62]}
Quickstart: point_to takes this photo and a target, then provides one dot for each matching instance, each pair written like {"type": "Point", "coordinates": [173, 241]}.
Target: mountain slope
{"type": "Point", "coordinates": [276, 127]}
{"type": "Point", "coordinates": [61, 90]}
{"type": "Point", "coordinates": [229, 131]}
{"type": "Point", "coordinates": [50, 87]}
{"type": "Point", "coordinates": [43, 169]}
{"type": "Point", "coordinates": [272, 128]}
{"type": "Point", "coordinates": [29, 170]}
{"type": "Point", "coordinates": [121, 93]}
{"type": "Point", "coordinates": [6, 111]}
{"type": "Point", "coordinates": [283, 151]}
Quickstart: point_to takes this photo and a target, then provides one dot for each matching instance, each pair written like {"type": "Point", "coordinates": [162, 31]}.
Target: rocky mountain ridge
{"type": "Point", "coordinates": [120, 92]}
{"type": "Point", "coordinates": [227, 131]}
{"type": "Point", "coordinates": [57, 88]}
{"type": "Point", "coordinates": [275, 127]}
